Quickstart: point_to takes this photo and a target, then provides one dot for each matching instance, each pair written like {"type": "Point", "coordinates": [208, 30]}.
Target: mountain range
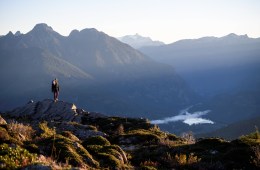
{"type": "Point", "coordinates": [100, 73]}
{"type": "Point", "coordinates": [92, 68]}
{"type": "Point", "coordinates": [224, 71]}
{"type": "Point", "coordinates": [212, 65]}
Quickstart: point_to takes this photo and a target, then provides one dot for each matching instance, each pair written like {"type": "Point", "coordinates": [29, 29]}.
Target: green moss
{"type": "Point", "coordinates": [70, 135]}
{"type": "Point", "coordinates": [142, 136]}
{"type": "Point", "coordinates": [108, 160]}
{"type": "Point", "coordinates": [46, 131]}
{"type": "Point", "coordinates": [112, 150]}
{"type": "Point", "coordinates": [96, 140]}
{"type": "Point", "coordinates": [67, 150]}
{"type": "Point", "coordinates": [78, 125]}
{"type": "Point", "coordinates": [63, 149]}
{"type": "Point", "coordinates": [143, 132]}
{"type": "Point", "coordinates": [110, 124]}
{"type": "Point", "coordinates": [108, 155]}
{"type": "Point", "coordinates": [93, 148]}
{"type": "Point", "coordinates": [252, 138]}
{"type": "Point", "coordinates": [105, 149]}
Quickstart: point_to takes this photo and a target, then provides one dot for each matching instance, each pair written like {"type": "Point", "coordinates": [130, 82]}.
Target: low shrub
{"type": "Point", "coordinates": [111, 156]}
{"type": "Point", "coordinates": [12, 157]}
{"type": "Point", "coordinates": [65, 149]}
{"type": "Point", "coordinates": [46, 131]}
{"type": "Point", "coordinates": [149, 165]}
{"type": "Point", "coordinates": [252, 138]}
{"type": "Point", "coordinates": [108, 160]}
{"type": "Point", "coordinates": [70, 135]}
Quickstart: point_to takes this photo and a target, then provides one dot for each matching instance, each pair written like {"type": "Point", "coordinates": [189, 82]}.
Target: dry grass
{"type": "Point", "coordinates": [120, 130]}
{"type": "Point", "coordinates": [188, 137]}
{"type": "Point", "coordinates": [21, 131]}
{"type": "Point", "coordinates": [169, 143]}
{"type": "Point", "coordinates": [52, 163]}
{"type": "Point", "coordinates": [149, 163]}
{"type": "Point", "coordinates": [181, 159]}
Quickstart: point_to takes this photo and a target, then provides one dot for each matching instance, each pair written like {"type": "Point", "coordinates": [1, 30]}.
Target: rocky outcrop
{"type": "Point", "coordinates": [62, 116]}
{"type": "Point", "coordinates": [79, 130]}
{"type": "Point", "coordinates": [48, 110]}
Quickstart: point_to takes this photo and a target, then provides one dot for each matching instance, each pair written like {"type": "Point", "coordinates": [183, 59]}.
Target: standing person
{"type": "Point", "coordinates": [55, 89]}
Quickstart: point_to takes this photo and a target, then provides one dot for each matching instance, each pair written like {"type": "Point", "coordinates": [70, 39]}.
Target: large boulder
{"type": "Point", "coordinates": [81, 131]}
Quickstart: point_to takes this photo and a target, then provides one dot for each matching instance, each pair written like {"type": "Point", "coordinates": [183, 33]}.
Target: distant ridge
{"type": "Point", "coordinates": [207, 61]}
{"type": "Point", "coordinates": [138, 41]}
{"type": "Point", "coordinates": [223, 70]}
{"type": "Point", "coordinates": [235, 130]}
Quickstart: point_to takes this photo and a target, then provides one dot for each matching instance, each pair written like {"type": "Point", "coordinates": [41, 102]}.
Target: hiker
{"type": "Point", "coordinates": [55, 89]}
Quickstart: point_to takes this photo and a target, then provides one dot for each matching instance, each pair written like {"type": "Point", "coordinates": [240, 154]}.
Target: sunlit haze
{"type": "Point", "coordinates": [164, 20]}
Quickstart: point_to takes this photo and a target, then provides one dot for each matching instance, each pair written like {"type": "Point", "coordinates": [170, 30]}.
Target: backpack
{"type": "Point", "coordinates": [53, 86]}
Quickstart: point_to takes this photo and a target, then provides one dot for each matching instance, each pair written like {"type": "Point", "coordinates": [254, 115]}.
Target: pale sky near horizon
{"type": "Point", "coordinates": [164, 20]}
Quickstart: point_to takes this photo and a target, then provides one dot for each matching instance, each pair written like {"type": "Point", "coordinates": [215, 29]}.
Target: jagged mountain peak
{"type": "Point", "coordinates": [42, 27]}
{"type": "Point", "coordinates": [233, 35]}
{"type": "Point", "coordinates": [18, 33]}
{"type": "Point", "coordinates": [138, 41]}
{"type": "Point", "coordinates": [43, 31]}
{"type": "Point", "coordinates": [9, 34]}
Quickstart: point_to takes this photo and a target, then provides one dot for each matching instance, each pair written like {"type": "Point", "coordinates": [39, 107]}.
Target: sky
{"type": "Point", "coordinates": [163, 20]}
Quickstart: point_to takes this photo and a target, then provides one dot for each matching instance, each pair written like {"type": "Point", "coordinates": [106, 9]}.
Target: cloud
{"type": "Point", "coordinates": [196, 121]}
{"type": "Point", "coordinates": [186, 117]}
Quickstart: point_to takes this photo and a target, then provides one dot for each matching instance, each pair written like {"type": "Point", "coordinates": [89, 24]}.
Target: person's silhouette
{"type": "Point", "coordinates": [55, 89]}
